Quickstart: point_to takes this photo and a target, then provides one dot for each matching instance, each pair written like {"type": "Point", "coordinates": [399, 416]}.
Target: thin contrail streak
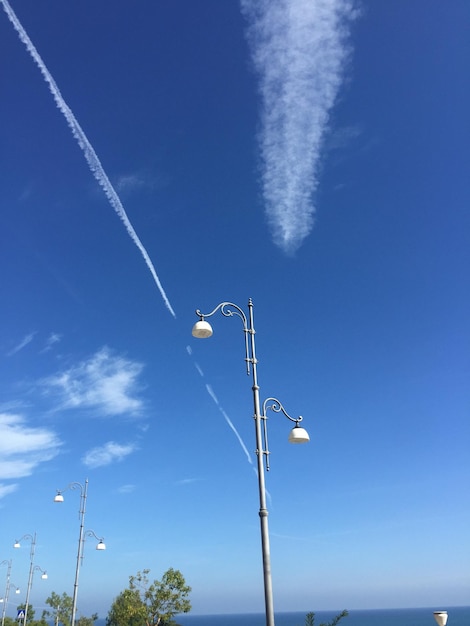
{"type": "Point", "coordinates": [229, 422]}
{"type": "Point", "coordinates": [210, 391]}
{"type": "Point", "coordinates": [87, 149]}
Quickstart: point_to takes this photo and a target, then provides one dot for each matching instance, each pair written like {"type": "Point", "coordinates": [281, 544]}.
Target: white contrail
{"type": "Point", "coordinates": [229, 422]}
{"type": "Point", "coordinates": [299, 49]}
{"type": "Point", "coordinates": [87, 149]}
{"type": "Point", "coordinates": [210, 391]}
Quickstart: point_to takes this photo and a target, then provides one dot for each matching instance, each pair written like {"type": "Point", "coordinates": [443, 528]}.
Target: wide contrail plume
{"type": "Point", "coordinates": [299, 51]}
{"type": "Point", "coordinates": [90, 155]}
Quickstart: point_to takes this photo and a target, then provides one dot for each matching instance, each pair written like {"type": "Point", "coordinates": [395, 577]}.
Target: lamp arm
{"type": "Point", "coordinates": [71, 486]}
{"type": "Point", "coordinates": [277, 407]}
{"type": "Point", "coordinates": [229, 309]}
{"type": "Point", "coordinates": [91, 533]}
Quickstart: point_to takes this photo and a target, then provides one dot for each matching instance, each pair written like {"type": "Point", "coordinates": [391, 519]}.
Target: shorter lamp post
{"type": "Point", "coordinates": [8, 585]}
{"type": "Point", "coordinates": [81, 538]}
{"type": "Point", "coordinates": [202, 330]}
{"type": "Point", "coordinates": [32, 568]}
{"type": "Point", "coordinates": [440, 617]}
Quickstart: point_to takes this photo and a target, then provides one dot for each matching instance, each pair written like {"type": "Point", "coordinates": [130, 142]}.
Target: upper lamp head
{"type": "Point", "coordinates": [440, 617]}
{"type": "Point", "coordinates": [298, 435]}
{"type": "Point", "coordinates": [202, 329]}
{"type": "Point", "coordinates": [59, 497]}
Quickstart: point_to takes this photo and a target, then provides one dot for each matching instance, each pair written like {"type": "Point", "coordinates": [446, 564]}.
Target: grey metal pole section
{"type": "Point", "coordinates": [30, 578]}
{"type": "Point", "coordinates": [263, 511]}
{"type": "Point", "coordinates": [7, 590]}
{"type": "Point", "coordinates": [81, 540]}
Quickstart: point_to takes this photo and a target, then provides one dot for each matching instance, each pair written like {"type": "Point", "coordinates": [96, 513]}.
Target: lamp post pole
{"type": "Point", "coordinates": [201, 330]}
{"type": "Point", "coordinates": [7, 589]}
{"type": "Point", "coordinates": [81, 538]}
{"type": "Point", "coordinates": [32, 569]}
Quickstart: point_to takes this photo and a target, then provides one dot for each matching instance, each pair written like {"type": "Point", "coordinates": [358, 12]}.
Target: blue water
{"type": "Point", "coordinates": [458, 616]}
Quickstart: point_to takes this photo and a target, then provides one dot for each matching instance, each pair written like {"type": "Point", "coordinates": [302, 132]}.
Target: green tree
{"type": "Point", "coordinates": [151, 604]}
{"type": "Point", "coordinates": [127, 609]}
{"type": "Point", "coordinates": [310, 619]}
{"type": "Point", "coordinates": [87, 621]}
{"type": "Point", "coordinates": [61, 608]}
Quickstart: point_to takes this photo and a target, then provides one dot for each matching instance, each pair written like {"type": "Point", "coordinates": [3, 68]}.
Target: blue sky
{"type": "Point", "coordinates": [313, 158]}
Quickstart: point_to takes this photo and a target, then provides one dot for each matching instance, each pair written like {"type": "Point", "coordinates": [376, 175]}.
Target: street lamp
{"type": "Point", "coordinates": [81, 537]}
{"type": "Point", "coordinates": [32, 568]}
{"type": "Point", "coordinates": [440, 617]}
{"type": "Point", "coordinates": [202, 330]}
{"type": "Point", "coordinates": [8, 585]}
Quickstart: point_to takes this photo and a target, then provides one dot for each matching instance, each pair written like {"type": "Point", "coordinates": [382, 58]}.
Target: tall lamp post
{"type": "Point", "coordinates": [6, 596]}
{"type": "Point", "coordinates": [202, 330]}
{"type": "Point", "coordinates": [32, 568]}
{"type": "Point", "coordinates": [81, 537]}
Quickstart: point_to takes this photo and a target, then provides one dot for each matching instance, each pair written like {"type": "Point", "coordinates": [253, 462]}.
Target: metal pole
{"type": "Point", "coordinates": [81, 540]}
{"type": "Point", "coordinates": [263, 511]}
{"type": "Point", "coordinates": [30, 578]}
{"type": "Point", "coordinates": [7, 591]}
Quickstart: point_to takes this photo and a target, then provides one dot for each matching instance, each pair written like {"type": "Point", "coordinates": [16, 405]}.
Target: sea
{"type": "Point", "coordinates": [457, 616]}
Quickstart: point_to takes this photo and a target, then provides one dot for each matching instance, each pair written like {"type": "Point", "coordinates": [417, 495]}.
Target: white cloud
{"type": "Point", "coordinates": [23, 448]}
{"type": "Point", "coordinates": [105, 382]}
{"type": "Point", "coordinates": [299, 51]}
{"type": "Point", "coordinates": [130, 182]}
{"type": "Point", "coordinates": [23, 343]}
{"type": "Point", "coordinates": [111, 452]}
{"type": "Point", "coordinates": [126, 489]}
{"type": "Point", "coordinates": [51, 341]}
{"type": "Point", "coordinates": [5, 490]}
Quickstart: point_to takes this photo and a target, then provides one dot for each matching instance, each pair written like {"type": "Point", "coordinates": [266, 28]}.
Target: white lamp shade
{"type": "Point", "coordinates": [298, 435]}
{"type": "Point", "coordinates": [202, 329]}
{"type": "Point", "coordinates": [44, 576]}
{"type": "Point", "coordinates": [440, 617]}
{"type": "Point", "coordinates": [59, 498]}
{"type": "Point", "coordinates": [101, 545]}
{"type": "Point", "coordinates": [17, 591]}
{"type": "Point", "coordinates": [17, 544]}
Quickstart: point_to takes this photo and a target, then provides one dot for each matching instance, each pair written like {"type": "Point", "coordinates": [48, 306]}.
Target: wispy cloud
{"type": "Point", "coordinates": [188, 481]}
{"type": "Point", "coordinates": [90, 155]}
{"type": "Point", "coordinates": [299, 49]}
{"type": "Point", "coordinates": [126, 489]}
{"type": "Point", "coordinates": [22, 344]}
{"type": "Point", "coordinates": [23, 448]}
{"type": "Point", "coordinates": [111, 452]}
{"type": "Point", "coordinates": [51, 341]}
{"type": "Point", "coordinates": [106, 382]}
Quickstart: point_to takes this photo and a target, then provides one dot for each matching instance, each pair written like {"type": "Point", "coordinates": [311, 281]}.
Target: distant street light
{"type": "Point", "coordinates": [32, 568]}
{"type": "Point", "coordinates": [440, 617]}
{"type": "Point", "coordinates": [81, 538]}
{"type": "Point", "coordinates": [8, 585]}
{"type": "Point", "coordinates": [202, 330]}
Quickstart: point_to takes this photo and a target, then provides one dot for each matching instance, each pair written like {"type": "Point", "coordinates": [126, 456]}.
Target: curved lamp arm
{"type": "Point", "coordinates": [203, 329]}
{"type": "Point", "coordinates": [101, 544]}
{"type": "Point", "coordinates": [297, 434]}
{"type": "Point", "coordinates": [59, 497]}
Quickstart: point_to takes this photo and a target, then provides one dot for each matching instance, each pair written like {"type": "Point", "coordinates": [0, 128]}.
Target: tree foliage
{"type": "Point", "coordinates": [310, 619]}
{"type": "Point", "coordinates": [61, 608]}
{"type": "Point", "coordinates": [87, 621]}
{"type": "Point", "coordinates": [151, 604]}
